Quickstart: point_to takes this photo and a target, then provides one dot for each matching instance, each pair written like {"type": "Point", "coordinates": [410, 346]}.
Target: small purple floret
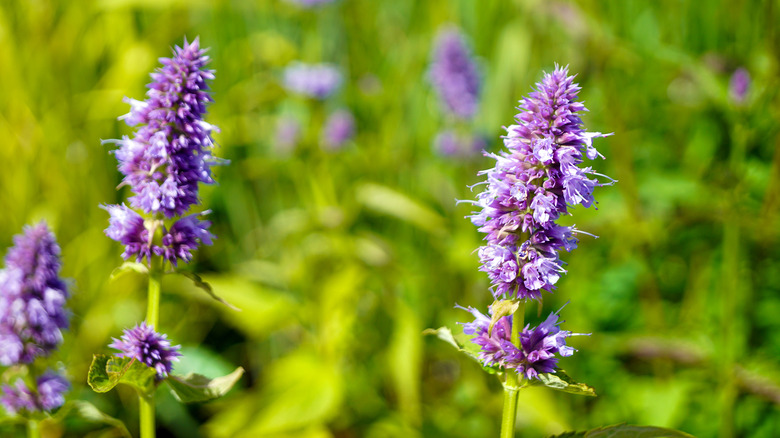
{"type": "Point", "coordinates": [147, 346]}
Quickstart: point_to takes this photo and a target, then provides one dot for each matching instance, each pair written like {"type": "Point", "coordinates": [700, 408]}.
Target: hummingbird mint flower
{"type": "Point", "coordinates": [32, 297]}
{"type": "Point", "coordinates": [165, 160]}
{"type": "Point", "coordinates": [531, 186]}
{"type": "Point", "coordinates": [150, 348]}
{"type": "Point", "coordinates": [454, 74]}
{"type": "Point", "coordinates": [538, 346]}
{"type": "Point", "coordinates": [314, 80]}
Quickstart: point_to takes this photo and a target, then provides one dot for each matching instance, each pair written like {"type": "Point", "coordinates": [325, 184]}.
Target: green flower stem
{"type": "Point", "coordinates": [512, 383]}
{"type": "Point", "coordinates": [33, 429]}
{"type": "Point", "coordinates": [146, 402]}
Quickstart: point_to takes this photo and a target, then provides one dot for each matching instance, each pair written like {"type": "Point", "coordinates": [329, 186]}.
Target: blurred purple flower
{"type": "Point", "coordinates": [167, 158]}
{"type": "Point", "coordinates": [532, 185]}
{"type": "Point", "coordinates": [150, 348]}
{"type": "Point", "coordinates": [50, 395]}
{"type": "Point", "coordinates": [448, 143]}
{"type": "Point", "coordinates": [288, 132]}
{"type": "Point", "coordinates": [539, 345]}
{"type": "Point", "coordinates": [454, 74]}
{"type": "Point", "coordinates": [739, 85]}
{"type": "Point", "coordinates": [32, 297]}
{"type": "Point", "coordinates": [309, 3]}
{"type": "Point", "coordinates": [314, 80]}
{"type": "Point", "coordinates": [339, 128]}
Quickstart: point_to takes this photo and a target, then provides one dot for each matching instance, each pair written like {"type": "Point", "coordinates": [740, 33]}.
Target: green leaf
{"type": "Point", "coordinates": [98, 377]}
{"type": "Point", "coordinates": [194, 388]}
{"type": "Point", "coordinates": [89, 412]}
{"type": "Point", "coordinates": [199, 283]}
{"type": "Point", "coordinates": [502, 308]}
{"type": "Point", "coordinates": [562, 382]}
{"type": "Point", "coordinates": [128, 267]}
{"type": "Point", "coordinates": [108, 371]}
{"type": "Point", "coordinates": [626, 431]}
{"type": "Point", "coordinates": [462, 344]}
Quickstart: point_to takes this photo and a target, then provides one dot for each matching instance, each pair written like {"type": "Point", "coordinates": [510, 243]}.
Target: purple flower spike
{"type": "Point", "coordinates": [150, 348]}
{"type": "Point", "coordinates": [339, 129]}
{"type": "Point", "coordinates": [170, 153]}
{"type": "Point", "coordinates": [454, 74]}
{"type": "Point", "coordinates": [165, 161]}
{"type": "Point", "coordinates": [531, 185]}
{"type": "Point", "coordinates": [314, 80]}
{"type": "Point", "coordinates": [32, 297]}
{"type": "Point", "coordinates": [539, 345]}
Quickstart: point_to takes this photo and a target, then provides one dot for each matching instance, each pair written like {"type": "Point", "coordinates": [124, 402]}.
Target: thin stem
{"type": "Point", "coordinates": [146, 402]}
{"type": "Point", "coordinates": [512, 384]}
{"type": "Point", "coordinates": [33, 429]}
{"type": "Point", "coordinates": [146, 414]}
{"type": "Point", "coordinates": [155, 284]}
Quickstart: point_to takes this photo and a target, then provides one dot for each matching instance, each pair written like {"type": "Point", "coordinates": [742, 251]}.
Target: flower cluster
{"type": "Point", "coordinates": [167, 158]}
{"type": "Point", "coordinates": [339, 128]}
{"type": "Point", "coordinates": [539, 345]}
{"type": "Point", "coordinates": [32, 317]}
{"type": "Point", "coordinates": [51, 388]}
{"type": "Point", "coordinates": [147, 346]}
{"type": "Point", "coordinates": [454, 74]}
{"type": "Point", "coordinates": [32, 297]}
{"type": "Point", "coordinates": [314, 80]}
{"type": "Point", "coordinates": [531, 186]}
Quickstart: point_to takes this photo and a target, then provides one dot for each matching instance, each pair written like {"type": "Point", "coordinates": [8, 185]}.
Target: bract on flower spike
{"type": "Point", "coordinates": [532, 184]}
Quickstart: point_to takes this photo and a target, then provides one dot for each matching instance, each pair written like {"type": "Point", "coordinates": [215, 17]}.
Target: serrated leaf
{"type": "Point", "coordinates": [562, 382]}
{"type": "Point", "coordinates": [194, 388]}
{"type": "Point", "coordinates": [89, 412]}
{"type": "Point", "coordinates": [500, 309]}
{"type": "Point", "coordinates": [199, 283]}
{"type": "Point", "coordinates": [626, 431]}
{"type": "Point", "coordinates": [108, 371]}
{"type": "Point", "coordinates": [462, 344]}
{"type": "Point", "coordinates": [98, 378]}
{"type": "Point", "coordinates": [128, 267]}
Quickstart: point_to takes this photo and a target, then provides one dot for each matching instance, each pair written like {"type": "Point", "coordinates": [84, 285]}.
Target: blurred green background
{"type": "Point", "coordinates": [340, 260]}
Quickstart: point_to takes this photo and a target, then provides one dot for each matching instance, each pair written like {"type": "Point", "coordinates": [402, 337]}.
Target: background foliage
{"type": "Point", "coordinates": [339, 260]}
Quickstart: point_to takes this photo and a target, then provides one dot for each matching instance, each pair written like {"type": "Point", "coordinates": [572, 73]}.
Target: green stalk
{"type": "Point", "coordinates": [512, 384]}
{"type": "Point", "coordinates": [33, 429]}
{"type": "Point", "coordinates": [146, 402]}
